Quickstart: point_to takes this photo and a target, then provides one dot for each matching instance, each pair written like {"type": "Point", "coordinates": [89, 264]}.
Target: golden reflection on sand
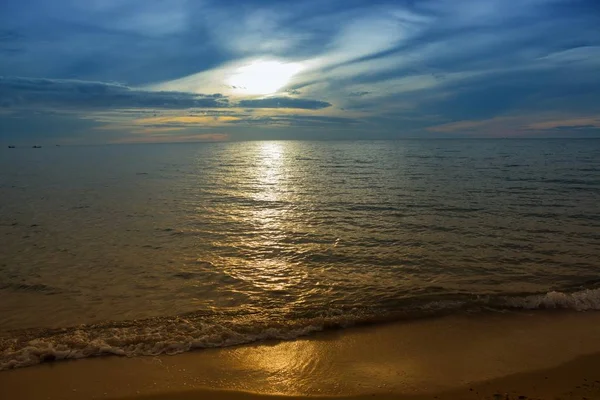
{"type": "Point", "coordinates": [416, 358]}
{"type": "Point", "coordinates": [286, 366]}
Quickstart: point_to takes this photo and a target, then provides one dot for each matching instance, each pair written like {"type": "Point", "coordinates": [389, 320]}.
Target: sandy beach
{"type": "Point", "coordinates": [541, 355]}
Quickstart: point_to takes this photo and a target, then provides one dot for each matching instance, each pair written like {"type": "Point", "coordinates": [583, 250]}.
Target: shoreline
{"type": "Point", "coordinates": [532, 354]}
{"type": "Point", "coordinates": [185, 332]}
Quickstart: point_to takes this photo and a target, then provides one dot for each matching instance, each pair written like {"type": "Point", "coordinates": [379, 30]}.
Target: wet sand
{"type": "Point", "coordinates": [538, 355]}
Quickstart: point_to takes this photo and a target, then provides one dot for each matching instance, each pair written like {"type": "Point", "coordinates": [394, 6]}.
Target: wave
{"type": "Point", "coordinates": [584, 300]}
{"type": "Point", "coordinates": [172, 335]}
{"type": "Point", "coordinates": [33, 287]}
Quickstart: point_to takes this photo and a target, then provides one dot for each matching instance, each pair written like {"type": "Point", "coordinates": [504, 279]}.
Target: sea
{"type": "Point", "coordinates": [150, 249]}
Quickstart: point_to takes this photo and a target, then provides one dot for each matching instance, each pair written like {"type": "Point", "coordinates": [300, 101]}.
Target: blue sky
{"type": "Point", "coordinates": [110, 71]}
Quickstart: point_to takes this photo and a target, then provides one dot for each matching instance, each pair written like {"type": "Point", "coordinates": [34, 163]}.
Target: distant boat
{"type": "Point", "coordinates": [11, 147]}
{"type": "Point", "coordinates": [36, 147]}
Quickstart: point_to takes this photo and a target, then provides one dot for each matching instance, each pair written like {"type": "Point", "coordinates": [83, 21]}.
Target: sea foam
{"type": "Point", "coordinates": [584, 300]}
{"type": "Point", "coordinates": [180, 334]}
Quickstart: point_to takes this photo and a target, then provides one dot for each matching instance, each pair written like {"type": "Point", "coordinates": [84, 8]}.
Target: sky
{"type": "Point", "coordinates": [128, 71]}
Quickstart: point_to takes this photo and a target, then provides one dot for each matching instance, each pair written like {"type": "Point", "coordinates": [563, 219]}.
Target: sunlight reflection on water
{"type": "Point", "coordinates": [168, 229]}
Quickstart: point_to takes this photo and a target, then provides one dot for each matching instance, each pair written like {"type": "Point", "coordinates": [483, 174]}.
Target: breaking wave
{"type": "Point", "coordinates": [172, 335]}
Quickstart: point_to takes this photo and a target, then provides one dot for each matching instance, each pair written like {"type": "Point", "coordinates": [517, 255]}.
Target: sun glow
{"type": "Point", "coordinates": [263, 77]}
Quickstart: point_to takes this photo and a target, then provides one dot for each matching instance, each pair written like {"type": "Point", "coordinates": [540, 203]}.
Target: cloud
{"type": "Point", "coordinates": [297, 120]}
{"type": "Point", "coordinates": [386, 68]}
{"type": "Point", "coordinates": [185, 120]}
{"type": "Point", "coordinates": [244, 30]}
{"type": "Point", "coordinates": [36, 127]}
{"type": "Point", "coordinates": [519, 125]}
{"type": "Point", "coordinates": [162, 136]}
{"type": "Point", "coordinates": [10, 42]}
{"type": "Point", "coordinates": [359, 94]}
{"type": "Point", "coordinates": [210, 120]}
{"type": "Point", "coordinates": [152, 18]}
{"type": "Point", "coordinates": [459, 126]}
{"type": "Point", "coordinates": [363, 32]}
{"type": "Point", "coordinates": [30, 92]}
{"type": "Point", "coordinates": [472, 45]}
{"type": "Point", "coordinates": [492, 127]}
{"type": "Point", "coordinates": [586, 122]}
{"type": "Point", "coordinates": [74, 94]}
{"type": "Point", "coordinates": [577, 55]}
{"type": "Point", "coordinates": [284, 102]}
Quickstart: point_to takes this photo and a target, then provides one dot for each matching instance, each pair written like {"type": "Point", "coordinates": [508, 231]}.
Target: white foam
{"type": "Point", "coordinates": [178, 335]}
{"type": "Point", "coordinates": [584, 300]}
{"type": "Point", "coordinates": [134, 341]}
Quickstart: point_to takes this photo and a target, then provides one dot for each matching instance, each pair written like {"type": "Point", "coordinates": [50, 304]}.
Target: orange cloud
{"type": "Point", "coordinates": [157, 130]}
{"type": "Point", "coordinates": [567, 123]}
{"type": "Point", "coordinates": [162, 138]}
{"type": "Point", "coordinates": [458, 126]}
{"type": "Point", "coordinates": [186, 120]}
{"type": "Point", "coordinates": [514, 126]}
{"type": "Point", "coordinates": [493, 127]}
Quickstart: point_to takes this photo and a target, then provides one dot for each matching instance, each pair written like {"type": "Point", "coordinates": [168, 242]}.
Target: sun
{"type": "Point", "coordinates": [263, 77]}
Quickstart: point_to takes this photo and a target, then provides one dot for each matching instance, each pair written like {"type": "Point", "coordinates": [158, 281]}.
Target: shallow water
{"type": "Point", "coordinates": [171, 247]}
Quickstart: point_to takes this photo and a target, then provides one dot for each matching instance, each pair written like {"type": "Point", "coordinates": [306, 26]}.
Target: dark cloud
{"type": "Point", "coordinates": [578, 127]}
{"type": "Point", "coordinates": [516, 92]}
{"type": "Point", "coordinates": [37, 127]}
{"type": "Point", "coordinates": [10, 42]}
{"type": "Point", "coordinates": [284, 102]}
{"type": "Point", "coordinates": [29, 92]}
{"type": "Point", "coordinates": [7, 35]}
{"type": "Point", "coordinates": [358, 94]}
{"type": "Point", "coordinates": [77, 95]}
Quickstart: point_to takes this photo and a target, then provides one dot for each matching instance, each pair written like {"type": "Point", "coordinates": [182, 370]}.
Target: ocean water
{"type": "Point", "coordinates": [150, 249]}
